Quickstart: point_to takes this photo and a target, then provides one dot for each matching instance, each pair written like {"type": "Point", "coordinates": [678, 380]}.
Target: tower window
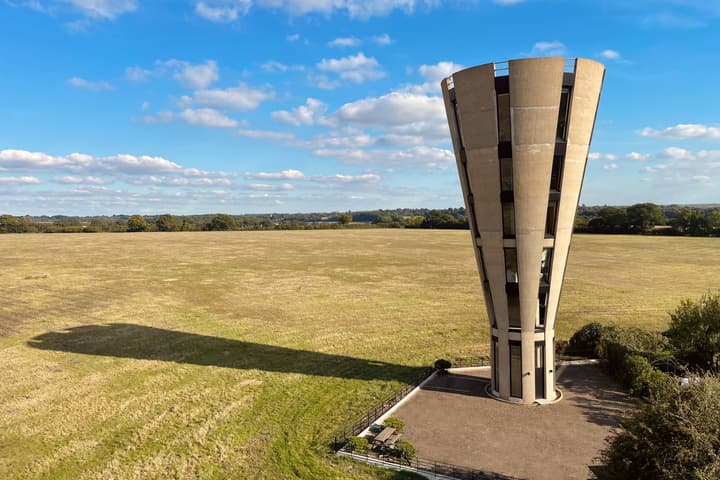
{"type": "Point", "coordinates": [508, 213]}
{"type": "Point", "coordinates": [503, 106]}
{"type": "Point", "coordinates": [551, 218]}
{"type": "Point", "coordinates": [563, 114]}
{"type": "Point", "coordinates": [555, 176]}
{"type": "Point", "coordinates": [506, 175]}
{"type": "Point", "coordinates": [511, 269]}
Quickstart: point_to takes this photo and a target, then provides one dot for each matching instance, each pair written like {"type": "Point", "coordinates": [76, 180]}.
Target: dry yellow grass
{"type": "Point", "coordinates": [237, 354]}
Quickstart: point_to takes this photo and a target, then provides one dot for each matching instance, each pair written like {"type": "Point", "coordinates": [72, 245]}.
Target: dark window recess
{"type": "Point", "coordinates": [551, 218]}
{"type": "Point", "coordinates": [506, 175]}
{"type": "Point", "coordinates": [515, 369]}
{"type": "Point", "coordinates": [495, 362]}
{"type": "Point", "coordinates": [513, 296]}
{"type": "Point", "coordinates": [504, 128]}
{"type": "Point", "coordinates": [539, 370]}
{"type": "Point", "coordinates": [508, 213]}
{"type": "Point", "coordinates": [542, 301]}
{"type": "Point", "coordinates": [511, 270]}
{"type": "Point", "coordinates": [563, 114]}
{"type": "Point", "coordinates": [555, 176]}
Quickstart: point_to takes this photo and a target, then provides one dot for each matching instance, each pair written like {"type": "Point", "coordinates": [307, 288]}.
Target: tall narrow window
{"type": "Point", "coordinates": [515, 369]}
{"type": "Point", "coordinates": [503, 106]}
{"type": "Point", "coordinates": [556, 172]}
{"type": "Point", "coordinates": [495, 362]}
{"type": "Point", "coordinates": [511, 270]}
{"type": "Point", "coordinates": [513, 296]}
{"type": "Point", "coordinates": [551, 217]}
{"type": "Point", "coordinates": [508, 213]}
{"type": "Point", "coordinates": [539, 370]}
{"type": "Point", "coordinates": [542, 310]}
{"type": "Point", "coordinates": [563, 114]}
{"type": "Point", "coordinates": [506, 175]}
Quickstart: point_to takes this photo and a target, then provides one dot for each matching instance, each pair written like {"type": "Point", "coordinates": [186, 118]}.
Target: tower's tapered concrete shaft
{"type": "Point", "coordinates": [521, 132]}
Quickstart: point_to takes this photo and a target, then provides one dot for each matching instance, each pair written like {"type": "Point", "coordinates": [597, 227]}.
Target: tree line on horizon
{"type": "Point", "coordinates": [642, 218]}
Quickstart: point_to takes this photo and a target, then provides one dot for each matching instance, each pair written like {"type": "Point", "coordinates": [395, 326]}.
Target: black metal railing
{"type": "Point", "coordinates": [433, 466]}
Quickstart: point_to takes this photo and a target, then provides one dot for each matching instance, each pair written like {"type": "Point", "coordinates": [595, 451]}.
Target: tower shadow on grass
{"type": "Point", "coordinates": [127, 340]}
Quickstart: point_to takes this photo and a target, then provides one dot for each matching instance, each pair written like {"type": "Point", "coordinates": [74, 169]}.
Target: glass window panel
{"type": "Point", "coordinates": [542, 302]}
{"type": "Point", "coordinates": [556, 172]}
{"type": "Point", "coordinates": [506, 174]}
{"type": "Point", "coordinates": [515, 370]}
{"type": "Point", "coordinates": [550, 219]}
{"type": "Point", "coordinates": [513, 309]}
{"type": "Point", "coordinates": [563, 114]}
{"type": "Point", "coordinates": [503, 104]}
{"type": "Point", "coordinates": [545, 265]}
{"type": "Point", "coordinates": [496, 360]}
{"type": "Point", "coordinates": [511, 270]}
{"type": "Point", "coordinates": [508, 212]}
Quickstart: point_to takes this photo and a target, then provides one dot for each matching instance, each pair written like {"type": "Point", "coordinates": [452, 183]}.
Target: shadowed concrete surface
{"type": "Point", "coordinates": [451, 419]}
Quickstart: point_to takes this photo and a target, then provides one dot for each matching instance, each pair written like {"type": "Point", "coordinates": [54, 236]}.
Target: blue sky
{"type": "Point", "coordinates": [243, 106]}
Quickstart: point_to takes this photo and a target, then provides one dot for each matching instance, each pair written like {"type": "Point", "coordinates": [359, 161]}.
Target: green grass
{"type": "Point", "coordinates": [238, 354]}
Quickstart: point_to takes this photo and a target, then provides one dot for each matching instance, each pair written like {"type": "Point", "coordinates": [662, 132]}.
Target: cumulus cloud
{"type": "Point", "coordinates": [433, 75]}
{"type": "Point", "coordinates": [683, 131]}
{"type": "Point", "coordinates": [78, 82]}
{"type": "Point", "coordinates": [609, 54]}
{"type": "Point", "coordinates": [340, 178]}
{"type": "Point", "coordinates": [283, 175]}
{"type": "Point", "coordinates": [72, 180]}
{"type": "Point", "coordinates": [189, 75]}
{"type": "Point", "coordinates": [637, 156]}
{"type": "Point", "coordinates": [382, 39]}
{"type": "Point", "coordinates": [265, 134]}
{"type": "Point", "coordinates": [548, 49]}
{"type": "Point", "coordinates": [344, 42]}
{"type": "Point", "coordinates": [137, 74]}
{"type": "Point", "coordinates": [354, 68]}
{"type": "Point", "coordinates": [166, 181]}
{"type": "Point", "coordinates": [273, 66]}
{"type": "Point", "coordinates": [312, 113]}
{"type": "Point", "coordinates": [602, 156]}
{"type": "Point", "coordinates": [26, 180]}
{"type": "Point", "coordinates": [610, 167]}
{"type": "Point", "coordinates": [241, 97]}
{"type": "Point", "coordinates": [124, 164]}
{"type": "Point", "coordinates": [224, 11]}
{"type": "Point", "coordinates": [424, 156]}
{"type": "Point", "coordinates": [207, 117]}
{"type": "Point", "coordinates": [104, 9]}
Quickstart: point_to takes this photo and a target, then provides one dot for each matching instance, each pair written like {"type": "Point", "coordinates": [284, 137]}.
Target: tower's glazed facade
{"type": "Point", "coordinates": [521, 131]}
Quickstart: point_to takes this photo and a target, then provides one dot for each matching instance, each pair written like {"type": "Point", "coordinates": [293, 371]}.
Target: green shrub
{"type": "Point", "coordinates": [586, 341]}
{"type": "Point", "coordinates": [394, 422]}
{"type": "Point", "coordinates": [694, 331]}
{"type": "Point", "coordinates": [357, 444]}
{"type": "Point", "coordinates": [404, 450]}
{"type": "Point", "coordinates": [674, 436]}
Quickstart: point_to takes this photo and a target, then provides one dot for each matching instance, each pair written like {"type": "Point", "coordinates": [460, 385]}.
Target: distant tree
{"type": "Point", "coordinates": [694, 331]}
{"type": "Point", "coordinates": [345, 218]}
{"type": "Point", "coordinates": [642, 217]}
{"type": "Point", "coordinates": [10, 224]}
{"type": "Point", "coordinates": [690, 221]}
{"type": "Point", "coordinates": [166, 223]}
{"type": "Point", "coordinates": [615, 219]}
{"type": "Point", "coordinates": [137, 223]}
{"type": "Point", "coordinates": [222, 221]}
{"type": "Point", "coordinates": [713, 220]}
{"type": "Point", "coordinates": [675, 436]}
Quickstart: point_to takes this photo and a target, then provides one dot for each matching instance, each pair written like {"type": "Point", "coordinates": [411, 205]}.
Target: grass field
{"type": "Point", "coordinates": [238, 354]}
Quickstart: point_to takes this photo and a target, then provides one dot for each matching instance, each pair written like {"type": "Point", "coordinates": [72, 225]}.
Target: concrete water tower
{"type": "Point", "coordinates": [521, 131]}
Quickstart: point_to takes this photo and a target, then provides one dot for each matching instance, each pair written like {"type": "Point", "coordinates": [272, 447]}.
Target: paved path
{"type": "Point", "coordinates": [452, 420]}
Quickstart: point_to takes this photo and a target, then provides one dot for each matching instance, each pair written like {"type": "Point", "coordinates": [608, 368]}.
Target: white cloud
{"type": "Point", "coordinates": [137, 74]}
{"type": "Point", "coordinates": [609, 54]}
{"type": "Point", "coordinates": [103, 9]}
{"type": "Point", "coordinates": [23, 160]}
{"type": "Point", "coordinates": [683, 131]}
{"type": "Point", "coordinates": [509, 2]}
{"type": "Point", "coordinates": [224, 11]}
{"type": "Point", "coordinates": [395, 108]}
{"type": "Point", "coordinates": [197, 76]}
{"type": "Point", "coordinates": [145, 106]}
{"type": "Point", "coordinates": [610, 167]}
{"type": "Point", "coordinates": [382, 39]}
{"type": "Point", "coordinates": [355, 68]}
{"type": "Point", "coordinates": [428, 157]}
{"type": "Point", "coordinates": [265, 134]}
{"type": "Point", "coordinates": [293, 38]}
{"type": "Point", "coordinates": [433, 75]}
{"type": "Point", "coordinates": [207, 117]}
{"type": "Point", "coordinates": [344, 42]}
{"type": "Point", "coordinates": [312, 113]}
{"type": "Point", "coordinates": [19, 180]}
{"type": "Point", "coordinates": [602, 156]}
{"type": "Point", "coordinates": [88, 85]}
{"type": "Point", "coordinates": [159, 118]}
{"type": "Point", "coordinates": [548, 49]}
{"type": "Point", "coordinates": [242, 97]}
{"type": "Point", "coordinates": [272, 66]}
{"type": "Point", "coordinates": [677, 153]}
{"type": "Point", "coordinates": [166, 181]}
{"type": "Point", "coordinates": [340, 178]}
{"type": "Point", "coordinates": [284, 175]}
{"type": "Point", "coordinates": [72, 180]}
{"type": "Point", "coordinates": [637, 156]}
